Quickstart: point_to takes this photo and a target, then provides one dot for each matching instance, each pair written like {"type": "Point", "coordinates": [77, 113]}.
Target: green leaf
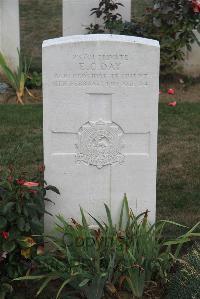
{"type": "Point", "coordinates": [21, 224]}
{"type": "Point", "coordinates": [8, 207]}
{"type": "Point", "coordinates": [62, 287]}
{"type": "Point", "coordinates": [3, 223]}
{"type": "Point", "coordinates": [37, 277]}
{"type": "Point", "coordinates": [2, 60]}
{"type": "Point", "coordinates": [45, 283]}
{"type": "Point", "coordinates": [193, 228]}
{"type": "Point", "coordinates": [27, 227]}
{"type": "Point", "coordinates": [52, 188]}
{"type": "Point", "coordinates": [176, 242]}
{"type": "Point", "coordinates": [83, 219]}
{"type": "Point", "coordinates": [8, 246]}
{"type": "Point", "coordinates": [109, 216]}
{"type": "Point", "coordinates": [171, 222]}
{"type": "Point", "coordinates": [84, 282]}
{"type": "Point", "coordinates": [36, 226]}
{"type": "Point", "coordinates": [99, 224]}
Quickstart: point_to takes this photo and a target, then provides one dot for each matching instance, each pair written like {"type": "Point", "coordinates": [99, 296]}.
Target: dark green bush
{"type": "Point", "coordinates": [185, 282]}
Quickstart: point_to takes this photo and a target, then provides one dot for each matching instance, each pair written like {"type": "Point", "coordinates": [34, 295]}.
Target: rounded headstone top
{"type": "Point", "coordinates": [100, 37]}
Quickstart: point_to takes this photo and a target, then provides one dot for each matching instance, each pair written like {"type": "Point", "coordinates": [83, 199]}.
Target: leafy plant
{"type": "Point", "coordinates": [83, 258]}
{"type": "Point", "coordinates": [21, 217]}
{"type": "Point", "coordinates": [185, 282]}
{"type": "Point", "coordinates": [34, 80]}
{"type": "Point", "coordinates": [17, 79]}
{"type": "Point", "coordinates": [107, 10]}
{"type": "Point", "coordinates": [98, 259]}
{"type": "Point", "coordinates": [147, 255]}
{"type": "Point", "coordinates": [171, 22]}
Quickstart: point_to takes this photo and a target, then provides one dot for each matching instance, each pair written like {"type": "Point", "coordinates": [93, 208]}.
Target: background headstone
{"type": "Point", "coordinates": [76, 15]}
{"type": "Point", "coordinates": [191, 64]}
{"type": "Point", "coordinates": [10, 31]}
{"type": "Point", "coordinates": [100, 123]}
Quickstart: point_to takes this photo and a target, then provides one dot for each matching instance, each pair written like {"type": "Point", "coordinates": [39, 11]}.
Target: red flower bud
{"type": "Point", "coordinates": [171, 91]}
{"type": "Point", "coordinates": [5, 235]}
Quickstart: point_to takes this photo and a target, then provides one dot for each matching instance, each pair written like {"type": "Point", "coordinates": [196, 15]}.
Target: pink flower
{"type": "Point", "coordinates": [30, 184]}
{"type": "Point", "coordinates": [171, 91]}
{"type": "Point", "coordinates": [5, 235]}
{"type": "Point", "coordinates": [172, 104]}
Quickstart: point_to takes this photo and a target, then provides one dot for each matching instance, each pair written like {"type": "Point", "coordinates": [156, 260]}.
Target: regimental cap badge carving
{"type": "Point", "coordinates": [100, 144]}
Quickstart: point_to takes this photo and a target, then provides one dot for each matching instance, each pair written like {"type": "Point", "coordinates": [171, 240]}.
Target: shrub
{"type": "Point", "coordinates": [185, 282]}
{"type": "Point", "coordinates": [107, 10]}
{"type": "Point", "coordinates": [171, 22]}
{"type": "Point", "coordinates": [98, 259]}
{"type": "Point", "coordinates": [21, 217]}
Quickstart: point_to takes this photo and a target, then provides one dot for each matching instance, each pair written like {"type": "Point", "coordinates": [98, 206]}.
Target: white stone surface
{"type": "Point", "coordinates": [191, 64]}
{"type": "Point", "coordinates": [100, 123]}
{"type": "Point", "coordinates": [10, 30]}
{"type": "Point", "coordinates": [76, 15]}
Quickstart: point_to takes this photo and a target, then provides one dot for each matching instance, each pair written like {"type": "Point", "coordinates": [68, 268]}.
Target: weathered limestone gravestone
{"type": "Point", "coordinates": [10, 30]}
{"type": "Point", "coordinates": [76, 15]}
{"type": "Point", "coordinates": [100, 123]}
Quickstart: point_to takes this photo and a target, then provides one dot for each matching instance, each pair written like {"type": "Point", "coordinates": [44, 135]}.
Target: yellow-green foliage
{"type": "Point", "coordinates": [16, 79]}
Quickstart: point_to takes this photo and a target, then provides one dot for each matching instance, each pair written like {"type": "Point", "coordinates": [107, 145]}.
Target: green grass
{"type": "Point", "coordinates": [178, 184]}
{"type": "Point", "coordinates": [21, 137]}
{"type": "Point", "coordinates": [39, 20]}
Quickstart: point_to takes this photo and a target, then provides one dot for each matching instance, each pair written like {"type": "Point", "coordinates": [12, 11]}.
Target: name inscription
{"type": "Point", "coordinates": [105, 70]}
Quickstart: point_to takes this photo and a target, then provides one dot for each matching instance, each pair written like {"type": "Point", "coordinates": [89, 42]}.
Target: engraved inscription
{"type": "Point", "coordinates": [99, 144]}
{"type": "Point", "coordinates": [103, 70]}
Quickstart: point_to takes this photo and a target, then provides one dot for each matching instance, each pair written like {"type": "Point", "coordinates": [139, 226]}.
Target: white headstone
{"type": "Point", "coordinates": [76, 15]}
{"type": "Point", "coordinates": [10, 31]}
{"type": "Point", "coordinates": [100, 123]}
{"type": "Point", "coordinates": [191, 64]}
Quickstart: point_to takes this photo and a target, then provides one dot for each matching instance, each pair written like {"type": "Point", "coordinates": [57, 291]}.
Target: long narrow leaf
{"type": "Point", "coordinates": [109, 216]}
{"type": "Point", "coordinates": [37, 277]}
{"type": "Point", "coordinates": [62, 287]}
{"type": "Point", "coordinates": [45, 283]}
